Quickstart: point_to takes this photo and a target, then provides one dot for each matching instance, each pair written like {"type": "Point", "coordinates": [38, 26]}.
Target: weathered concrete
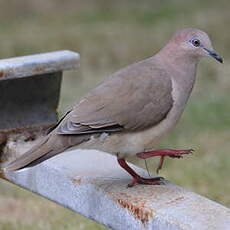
{"type": "Point", "coordinates": [92, 184]}
{"type": "Point", "coordinates": [38, 64]}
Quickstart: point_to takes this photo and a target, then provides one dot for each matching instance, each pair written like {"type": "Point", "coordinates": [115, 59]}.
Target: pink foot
{"type": "Point", "coordinates": [136, 178]}
{"type": "Point", "coordinates": [173, 153]}
{"type": "Point", "coordinates": [149, 181]}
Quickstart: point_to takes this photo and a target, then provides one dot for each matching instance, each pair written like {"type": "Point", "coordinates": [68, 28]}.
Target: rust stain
{"type": "Point", "coordinates": [175, 200]}
{"type": "Point", "coordinates": [39, 128]}
{"type": "Point", "coordinates": [1, 74]}
{"type": "Point", "coordinates": [77, 180]}
{"type": "Point", "coordinates": [3, 138]}
{"type": "Point", "coordinates": [2, 175]}
{"type": "Point", "coordinates": [136, 206]}
{"type": "Point", "coordinates": [39, 69]}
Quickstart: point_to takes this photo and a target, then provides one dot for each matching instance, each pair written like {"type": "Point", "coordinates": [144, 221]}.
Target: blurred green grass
{"type": "Point", "coordinates": [109, 35]}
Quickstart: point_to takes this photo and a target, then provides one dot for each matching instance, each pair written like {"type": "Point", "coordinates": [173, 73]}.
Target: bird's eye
{"type": "Point", "coordinates": [196, 42]}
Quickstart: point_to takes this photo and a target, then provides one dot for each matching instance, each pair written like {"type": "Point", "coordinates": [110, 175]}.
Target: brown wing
{"type": "Point", "coordinates": [132, 99]}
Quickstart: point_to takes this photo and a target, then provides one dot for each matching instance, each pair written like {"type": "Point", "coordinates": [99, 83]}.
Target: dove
{"type": "Point", "coordinates": [131, 110]}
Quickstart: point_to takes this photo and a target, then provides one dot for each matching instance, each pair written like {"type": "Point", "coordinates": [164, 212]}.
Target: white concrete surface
{"type": "Point", "coordinates": [92, 184]}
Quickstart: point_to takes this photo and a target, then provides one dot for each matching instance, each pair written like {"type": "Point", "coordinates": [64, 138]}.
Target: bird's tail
{"type": "Point", "coordinates": [47, 147]}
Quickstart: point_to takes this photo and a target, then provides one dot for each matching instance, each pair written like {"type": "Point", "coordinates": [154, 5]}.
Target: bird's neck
{"type": "Point", "coordinates": [178, 59]}
{"type": "Point", "coordinates": [182, 70]}
{"type": "Point", "coordinates": [180, 66]}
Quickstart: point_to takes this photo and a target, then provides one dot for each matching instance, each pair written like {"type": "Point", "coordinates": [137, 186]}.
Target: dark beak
{"type": "Point", "coordinates": [214, 55]}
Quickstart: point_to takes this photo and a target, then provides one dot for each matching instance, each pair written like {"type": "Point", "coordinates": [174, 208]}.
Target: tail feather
{"type": "Point", "coordinates": [39, 151]}
{"type": "Point", "coordinates": [45, 157]}
{"type": "Point", "coordinates": [49, 146]}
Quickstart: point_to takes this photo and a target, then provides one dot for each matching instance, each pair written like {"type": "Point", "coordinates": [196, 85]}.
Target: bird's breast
{"type": "Point", "coordinates": [130, 143]}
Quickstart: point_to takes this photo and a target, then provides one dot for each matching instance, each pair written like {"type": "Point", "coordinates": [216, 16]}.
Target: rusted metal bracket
{"type": "Point", "coordinates": [29, 92]}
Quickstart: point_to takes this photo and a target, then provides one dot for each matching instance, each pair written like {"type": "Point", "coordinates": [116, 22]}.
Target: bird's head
{"type": "Point", "coordinates": [195, 43]}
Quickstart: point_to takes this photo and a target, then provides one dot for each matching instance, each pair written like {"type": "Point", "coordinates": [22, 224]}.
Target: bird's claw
{"type": "Point", "coordinates": [180, 153]}
{"type": "Point", "coordinates": [146, 181]}
{"type": "Point", "coordinates": [177, 154]}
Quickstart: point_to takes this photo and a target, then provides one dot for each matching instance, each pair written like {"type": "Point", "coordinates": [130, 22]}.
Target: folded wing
{"type": "Point", "coordinates": [132, 99]}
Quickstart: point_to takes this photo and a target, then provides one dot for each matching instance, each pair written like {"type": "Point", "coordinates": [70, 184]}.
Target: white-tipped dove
{"type": "Point", "coordinates": [130, 111]}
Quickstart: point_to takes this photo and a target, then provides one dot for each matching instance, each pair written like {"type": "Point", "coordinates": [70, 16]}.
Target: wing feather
{"type": "Point", "coordinates": [135, 98]}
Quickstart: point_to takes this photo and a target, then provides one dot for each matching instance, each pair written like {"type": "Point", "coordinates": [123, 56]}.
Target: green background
{"type": "Point", "coordinates": [110, 35]}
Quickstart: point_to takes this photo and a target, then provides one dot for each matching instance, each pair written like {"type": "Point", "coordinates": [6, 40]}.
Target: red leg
{"type": "Point", "coordinates": [136, 178]}
{"type": "Point", "coordinates": [159, 167]}
{"type": "Point", "coordinates": [164, 152]}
